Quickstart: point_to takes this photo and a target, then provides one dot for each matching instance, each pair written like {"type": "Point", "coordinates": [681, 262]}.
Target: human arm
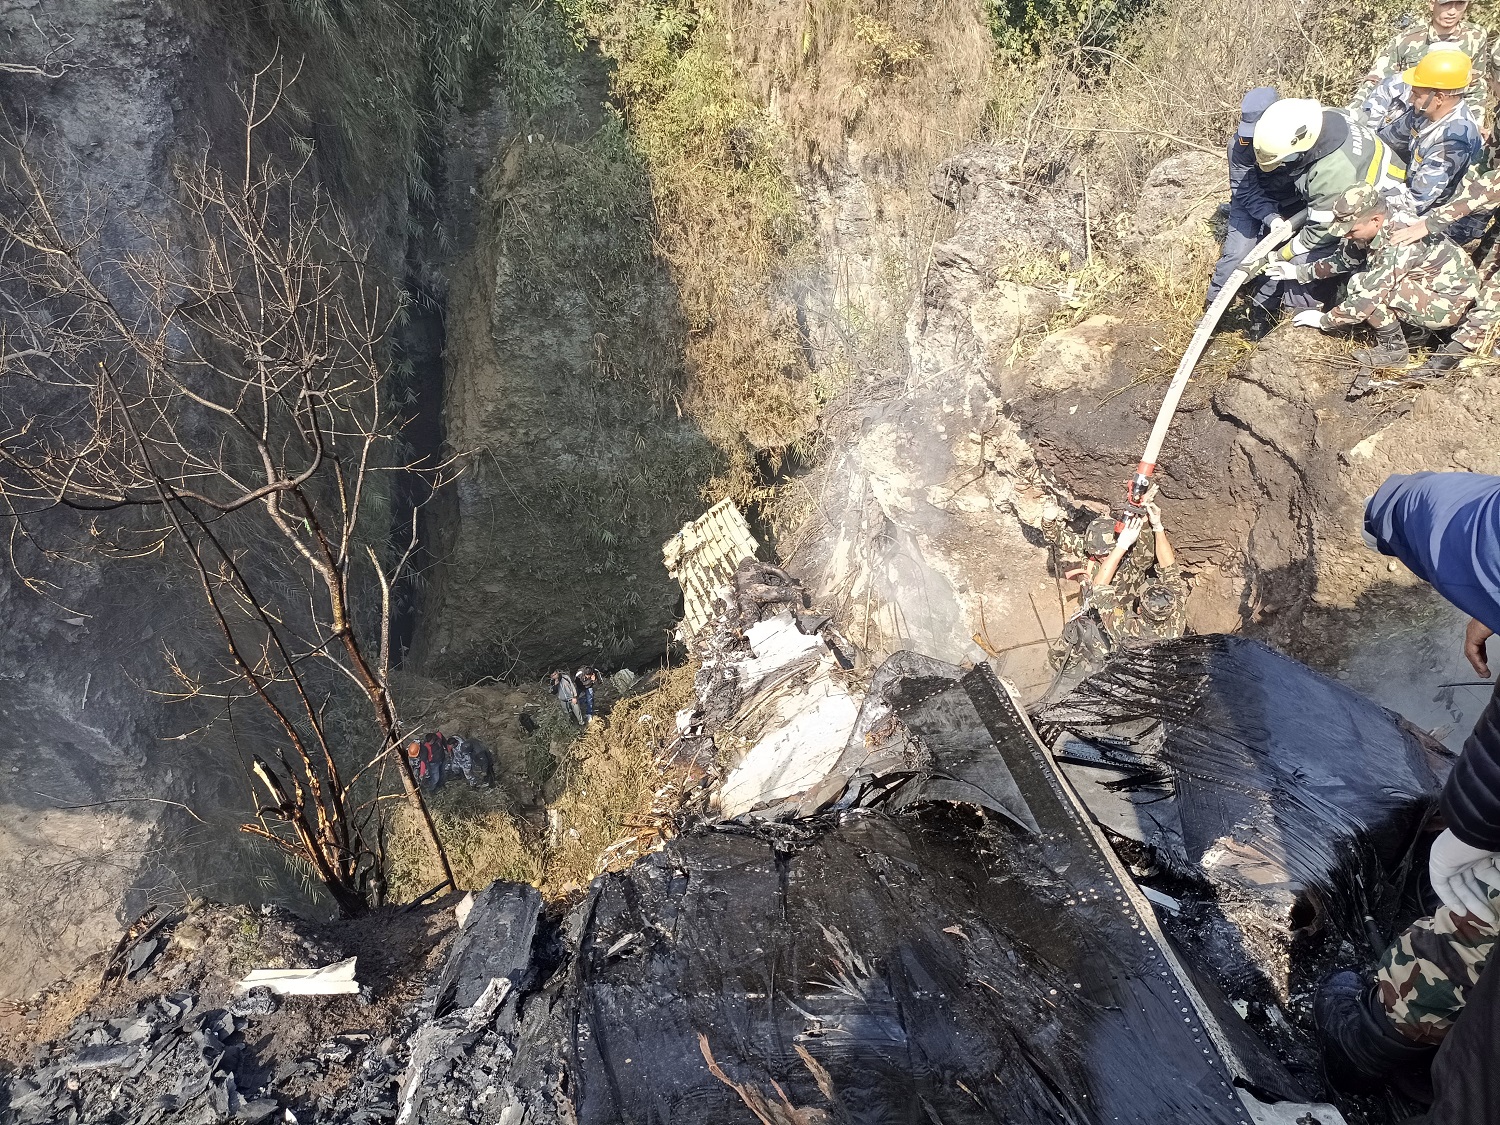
{"type": "Point", "coordinates": [1247, 186]}
{"type": "Point", "coordinates": [1368, 290]}
{"type": "Point", "coordinates": [1165, 556]}
{"type": "Point", "coordinates": [1480, 193]}
{"type": "Point", "coordinates": [1123, 542]}
{"type": "Point", "coordinates": [1386, 64]}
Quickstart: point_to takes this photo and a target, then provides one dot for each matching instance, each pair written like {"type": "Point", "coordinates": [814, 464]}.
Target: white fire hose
{"type": "Point", "coordinates": [1280, 232]}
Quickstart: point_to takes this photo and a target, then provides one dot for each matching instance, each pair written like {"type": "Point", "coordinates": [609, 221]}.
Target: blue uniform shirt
{"type": "Point", "coordinates": [1446, 528]}
{"type": "Point", "coordinates": [1259, 194]}
{"type": "Point", "coordinates": [1437, 153]}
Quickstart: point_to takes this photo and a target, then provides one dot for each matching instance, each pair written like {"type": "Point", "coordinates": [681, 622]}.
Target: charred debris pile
{"type": "Point", "coordinates": [894, 895]}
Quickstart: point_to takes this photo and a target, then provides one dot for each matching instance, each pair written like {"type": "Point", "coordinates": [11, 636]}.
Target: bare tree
{"type": "Point", "coordinates": [217, 385]}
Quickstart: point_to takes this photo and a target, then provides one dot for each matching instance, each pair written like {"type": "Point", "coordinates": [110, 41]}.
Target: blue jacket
{"type": "Point", "coordinates": [1437, 154]}
{"type": "Point", "coordinates": [1446, 528]}
{"type": "Point", "coordinates": [1259, 194]}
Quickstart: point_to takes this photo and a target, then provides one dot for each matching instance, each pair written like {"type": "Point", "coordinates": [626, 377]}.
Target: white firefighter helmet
{"type": "Point", "coordinates": [1286, 128]}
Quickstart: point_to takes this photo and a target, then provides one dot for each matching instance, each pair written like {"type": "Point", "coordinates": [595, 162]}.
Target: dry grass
{"type": "Point", "coordinates": [1170, 81]}
{"type": "Point", "coordinates": [1175, 76]}
{"type": "Point", "coordinates": [902, 80]}
{"type": "Point", "coordinates": [608, 807]}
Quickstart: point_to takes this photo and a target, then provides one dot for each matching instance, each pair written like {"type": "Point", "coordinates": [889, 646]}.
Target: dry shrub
{"type": "Point", "coordinates": [1175, 77]}
{"type": "Point", "coordinates": [905, 81]}
{"type": "Point", "coordinates": [609, 806]}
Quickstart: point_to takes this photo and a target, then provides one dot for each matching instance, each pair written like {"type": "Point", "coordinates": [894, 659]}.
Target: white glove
{"type": "Point", "coordinates": [1153, 513]}
{"type": "Point", "coordinates": [1461, 876]}
{"type": "Point", "coordinates": [1051, 512]}
{"type": "Point", "coordinates": [1129, 533]}
{"type": "Point", "coordinates": [1308, 318]}
{"type": "Point", "coordinates": [1282, 271]}
{"type": "Point", "coordinates": [1278, 226]}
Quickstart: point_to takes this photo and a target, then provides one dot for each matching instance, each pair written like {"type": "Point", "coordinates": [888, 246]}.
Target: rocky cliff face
{"type": "Point", "coordinates": [943, 465]}
{"type": "Point", "coordinates": [562, 371]}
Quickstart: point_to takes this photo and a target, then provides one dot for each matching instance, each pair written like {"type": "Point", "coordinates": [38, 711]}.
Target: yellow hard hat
{"type": "Point", "coordinates": [1440, 70]}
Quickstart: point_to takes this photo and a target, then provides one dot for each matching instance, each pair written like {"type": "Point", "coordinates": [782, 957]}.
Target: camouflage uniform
{"type": "Point", "coordinates": [1437, 153]}
{"type": "Point", "coordinates": [1071, 544]}
{"type": "Point", "coordinates": [1424, 978]}
{"type": "Point", "coordinates": [1125, 621]}
{"type": "Point", "coordinates": [1430, 283]}
{"type": "Point", "coordinates": [1407, 48]}
{"type": "Point", "coordinates": [1480, 330]}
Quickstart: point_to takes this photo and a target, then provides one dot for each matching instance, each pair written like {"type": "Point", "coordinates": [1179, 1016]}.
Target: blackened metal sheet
{"type": "Point", "coordinates": [932, 967]}
{"type": "Point", "coordinates": [1282, 764]}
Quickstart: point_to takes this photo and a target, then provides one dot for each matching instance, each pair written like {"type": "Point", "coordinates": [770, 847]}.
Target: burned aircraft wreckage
{"type": "Point", "coordinates": [900, 897]}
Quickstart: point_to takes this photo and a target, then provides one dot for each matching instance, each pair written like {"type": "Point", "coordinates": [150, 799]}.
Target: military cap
{"type": "Point", "coordinates": [1357, 203]}
{"type": "Point", "coordinates": [1254, 104]}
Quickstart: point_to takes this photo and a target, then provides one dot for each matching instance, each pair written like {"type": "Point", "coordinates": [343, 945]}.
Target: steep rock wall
{"type": "Point", "coordinates": [114, 793]}
{"type": "Point", "coordinates": [562, 370]}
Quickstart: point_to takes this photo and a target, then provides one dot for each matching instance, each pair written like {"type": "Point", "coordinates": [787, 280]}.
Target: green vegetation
{"type": "Point", "coordinates": [725, 218]}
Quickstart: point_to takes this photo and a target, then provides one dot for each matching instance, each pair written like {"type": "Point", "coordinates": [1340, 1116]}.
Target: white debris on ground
{"type": "Point", "coordinates": [329, 980]}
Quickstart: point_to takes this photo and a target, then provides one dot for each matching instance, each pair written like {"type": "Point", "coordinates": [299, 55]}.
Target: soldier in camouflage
{"type": "Point", "coordinates": [1132, 586]}
{"type": "Point", "coordinates": [1461, 217]}
{"type": "Point", "coordinates": [1429, 283]}
{"type": "Point", "coordinates": [1424, 978]}
{"type": "Point", "coordinates": [1446, 27]}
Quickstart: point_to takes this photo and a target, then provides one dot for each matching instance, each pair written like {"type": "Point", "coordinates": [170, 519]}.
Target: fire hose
{"type": "Point", "coordinates": [1249, 266]}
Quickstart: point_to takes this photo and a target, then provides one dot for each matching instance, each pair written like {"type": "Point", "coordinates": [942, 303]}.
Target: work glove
{"type": "Point", "coordinates": [1308, 318]}
{"type": "Point", "coordinates": [1282, 271]}
{"type": "Point", "coordinates": [1462, 875]}
{"type": "Point", "coordinates": [1130, 532]}
{"type": "Point", "coordinates": [1051, 512]}
{"type": "Point", "coordinates": [1281, 228]}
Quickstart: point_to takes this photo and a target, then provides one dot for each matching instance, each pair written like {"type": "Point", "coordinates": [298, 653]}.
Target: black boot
{"type": "Point", "coordinates": [1439, 363]}
{"type": "Point", "coordinates": [1362, 1050]}
{"type": "Point", "coordinates": [1390, 349]}
{"type": "Point", "coordinates": [1261, 323]}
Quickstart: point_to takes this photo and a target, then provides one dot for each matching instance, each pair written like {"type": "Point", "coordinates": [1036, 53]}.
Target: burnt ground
{"type": "Point", "coordinates": [298, 1048]}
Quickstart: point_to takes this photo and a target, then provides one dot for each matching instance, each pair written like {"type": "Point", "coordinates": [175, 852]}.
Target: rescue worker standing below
{"type": "Point", "coordinates": [1444, 28]}
{"type": "Point", "coordinates": [1422, 115]}
{"type": "Point", "coordinates": [1430, 283]}
{"type": "Point", "coordinates": [1135, 586]}
{"type": "Point", "coordinates": [1326, 153]}
{"type": "Point", "coordinates": [1258, 201]}
{"type": "Point", "coordinates": [1446, 528]}
{"type": "Point", "coordinates": [1154, 610]}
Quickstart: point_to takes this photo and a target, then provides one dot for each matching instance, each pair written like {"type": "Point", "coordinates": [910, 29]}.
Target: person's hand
{"type": "Point", "coordinates": [1308, 318]}
{"type": "Point", "coordinates": [1278, 226]}
{"type": "Point", "coordinates": [1476, 633]}
{"type": "Point", "coordinates": [1153, 513]}
{"type": "Point", "coordinates": [1051, 511]}
{"type": "Point", "coordinates": [1282, 271]}
{"type": "Point", "coordinates": [1129, 533]}
{"type": "Point", "coordinates": [1407, 235]}
{"type": "Point", "coordinates": [1461, 876]}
